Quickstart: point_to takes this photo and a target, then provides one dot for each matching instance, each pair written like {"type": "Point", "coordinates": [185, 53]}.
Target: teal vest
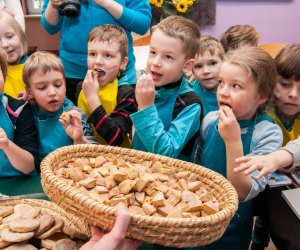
{"type": "Point", "coordinates": [51, 134]}
{"type": "Point", "coordinates": [6, 168]}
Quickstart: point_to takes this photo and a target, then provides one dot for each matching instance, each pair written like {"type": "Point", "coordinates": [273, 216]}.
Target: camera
{"type": "Point", "coordinates": [70, 8]}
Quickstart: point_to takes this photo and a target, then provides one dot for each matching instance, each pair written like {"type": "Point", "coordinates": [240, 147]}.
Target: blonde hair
{"type": "Point", "coordinates": [109, 33]}
{"type": "Point", "coordinates": [4, 17]}
{"type": "Point", "coordinates": [288, 62]}
{"type": "Point", "coordinates": [3, 63]}
{"type": "Point", "coordinates": [260, 67]}
{"type": "Point", "coordinates": [211, 45]}
{"type": "Point", "coordinates": [239, 35]}
{"type": "Point", "coordinates": [41, 62]}
{"type": "Point", "coordinates": [181, 28]}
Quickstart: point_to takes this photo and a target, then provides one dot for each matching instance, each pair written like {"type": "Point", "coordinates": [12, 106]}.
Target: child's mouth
{"type": "Point", "coordinates": [156, 76]}
{"type": "Point", "coordinates": [224, 104]}
{"type": "Point", "coordinates": [100, 74]}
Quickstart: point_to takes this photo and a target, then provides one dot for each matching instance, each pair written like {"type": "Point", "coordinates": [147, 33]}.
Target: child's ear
{"type": "Point", "coordinates": [29, 92]}
{"type": "Point", "coordinates": [188, 65]}
{"type": "Point", "coordinates": [123, 64]}
{"type": "Point", "coordinates": [261, 100]}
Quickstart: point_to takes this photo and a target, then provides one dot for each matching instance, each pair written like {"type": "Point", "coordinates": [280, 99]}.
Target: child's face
{"type": "Point", "coordinates": [1, 81]}
{"type": "Point", "coordinates": [287, 96]}
{"type": "Point", "coordinates": [206, 70]}
{"type": "Point", "coordinates": [105, 58]}
{"type": "Point", "coordinates": [48, 90]}
{"type": "Point", "coordinates": [166, 60]}
{"type": "Point", "coordinates": [238, 91]}
{"type": "Point", "coordinates": [11, 43]}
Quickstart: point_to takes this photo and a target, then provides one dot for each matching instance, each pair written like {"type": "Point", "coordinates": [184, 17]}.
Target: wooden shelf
{"type": "Point", "coordinates": [33, 16]}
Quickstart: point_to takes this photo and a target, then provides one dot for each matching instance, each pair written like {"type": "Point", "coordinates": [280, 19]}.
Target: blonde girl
{"type": "Point", "coordinates": [13, 42]}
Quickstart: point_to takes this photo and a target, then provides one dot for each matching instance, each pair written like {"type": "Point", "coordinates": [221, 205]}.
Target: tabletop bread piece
{"type": "Point", "coordinates": [10, 236]}
{"type": "Point", "coordinates": [65, 244]}
{"type": "Point", "coordinates": [50, 241]}
{"type": "Point", "coordinates": [21, 246]}
{"type": "Point", "coordinates": [6, 210]}
{"type": "Point", "coordinates": [46, 221]}
{"type": "Point", "coordinates": [59, 223]}
{"type": "Point", "coordinates": [27, 211]}
{"type": "Point", "coordinates": [24, 225]}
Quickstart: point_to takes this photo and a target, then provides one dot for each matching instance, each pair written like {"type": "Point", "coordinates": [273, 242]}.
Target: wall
{"type": "Point", "coordinates": [277, 21]}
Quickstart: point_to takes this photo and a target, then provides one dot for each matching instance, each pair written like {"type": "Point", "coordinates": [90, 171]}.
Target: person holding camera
{"type": "Point", "coordinates": [74, 19]}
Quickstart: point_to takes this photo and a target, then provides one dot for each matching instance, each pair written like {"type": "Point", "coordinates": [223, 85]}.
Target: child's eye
{"type": "Point", "coordinates": [197, 66]}
{"type": "Point", "coordinates": [284, 84]}
{"type": "Point", "coordinates": [212, 63]}
{"type": "Point", "coordinates": [92, 54]}
{"type": "Point", "coordinates": [236, 86]}
{"type": "Point", "coordinates": [108, 55]}
{"type": "Point", "coordinates": [169, 57]}
{"type": "Point", "coordinates": [41, 88]}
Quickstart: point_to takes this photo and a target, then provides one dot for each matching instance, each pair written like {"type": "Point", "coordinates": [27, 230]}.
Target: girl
{"type": "Point", "coordinates": [13, 42]}
{"type": "Point", "coordinates": [240, 127]}
{"type": "Point", "coordinates": [18, 136]}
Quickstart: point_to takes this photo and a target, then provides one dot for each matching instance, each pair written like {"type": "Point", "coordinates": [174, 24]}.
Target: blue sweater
{"type": "Point", "coordinates": [136, 17]}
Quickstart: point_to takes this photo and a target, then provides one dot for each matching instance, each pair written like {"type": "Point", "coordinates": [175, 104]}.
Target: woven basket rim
{"type": "Point", "coordinates": [70, 192]}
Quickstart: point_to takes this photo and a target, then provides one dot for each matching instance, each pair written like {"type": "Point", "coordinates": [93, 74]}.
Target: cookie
{"type": "Point", "coordinates": [46, 221]}
{"type": "Point", "coordinates": [27, 211]}
{"type": "Point", "coordinates": [21, 246]}
{"type": "Point", "coordinates": [57, 226]}
{"type": "Point", "coordinates": [65, 244]}
{"type": "Point", "coordinates": [10, 236]}
{"type": "Point", "coordinates": [50, 241]}
{"type": "Point", "coordinates": [6, 210]}
{"type": "Point", "coordinates": [74, 233]}
{"type": "Point", "coordinates": [24, 225]}
{"type": "Point", "coordinates": [65, 117]}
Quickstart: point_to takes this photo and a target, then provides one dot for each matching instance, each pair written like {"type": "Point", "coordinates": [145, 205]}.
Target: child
{"type": "Point", "coordinates": [13, 42]}
{"type": "Point", "coordinates": [107, 104]}
{"type": "Point", "coordinates": [246, 82]}
{"type": "Point", "coordinates": [168, 119]}
{"type": "Point", "coordinates": [239, 35]}
{"type": "Point", "coordinates": [18, 137]}
{"type": "Point", "coordinates": [286, 115]}
{"type": "Point", "coordinates": [43, 75]}
{"type": "Point", "coordinates": [206, 72]}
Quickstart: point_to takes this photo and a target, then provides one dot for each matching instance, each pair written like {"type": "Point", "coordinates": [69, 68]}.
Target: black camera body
{"type": "Point", "coordinates": [70, 8]}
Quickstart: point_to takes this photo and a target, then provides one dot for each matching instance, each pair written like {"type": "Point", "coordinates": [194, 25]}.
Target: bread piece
{"type": "Point", "coordinates": [6, 210]}
{"type": "Point", "coordinates": [46, 221]}
{"type": "Point", "coordinates": [50, 241]}
{"type": "Point", "coordinates": [73, 233]}
{"type": "Point", "coordinates": [57, 226]}
{"type": "Point", "coordinates": [148, 208]}
{"type": "Point", "coordinates": [7, 235]}
{"type": "Point", "coordinates": [65, 244]}
{"type": "Point", "coordinates": [21, 246]}
{"type": "Point", "coordinates": [65, 116]}
{"type": "Point", "coordinates": [24, 225]}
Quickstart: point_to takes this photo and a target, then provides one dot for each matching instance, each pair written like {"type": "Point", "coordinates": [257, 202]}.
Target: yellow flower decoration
{"type": "Point", "coordinates": [182, 6]}
{"type": "Point", "coordinates": [159, 3]}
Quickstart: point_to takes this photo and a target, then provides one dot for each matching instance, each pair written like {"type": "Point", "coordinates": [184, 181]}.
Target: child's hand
{"type": "Point", "coordinates": [90, 85]}
{"type": "Point", "coordinates": [228, 126]}
{"type": "Point", "coordinates": [4, 141]}
{"type": "Point", "coordinates": [73, 128]}
{"type": "Point", "coordinates": [145, 91]}
{"type": "Point", "coordinates": [23, 96]}
{"type": "Point", "coordinates": [265, 164]}
{"type": "Point", "coordinates": [55, 3]}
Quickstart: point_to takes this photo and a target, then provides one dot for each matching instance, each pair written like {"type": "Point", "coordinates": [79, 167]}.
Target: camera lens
{"type": "Point", "coordinates": [71, 8]}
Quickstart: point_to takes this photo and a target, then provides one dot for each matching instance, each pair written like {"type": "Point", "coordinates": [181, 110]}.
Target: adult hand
{"type": "Point", "coordinates": [115, 239]}
{"type": "Point", "coordinates": [265, 164]}
{"type": "Point", "coordinates": [4, 141]}
{"type": "Point", "coordinates": [145, 91]}
{"type": "Point", "coordinates": [228, 126]}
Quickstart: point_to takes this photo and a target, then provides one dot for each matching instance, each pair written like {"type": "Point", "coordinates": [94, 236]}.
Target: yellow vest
{"type": "Point", "coordinates": [287, 135]}
{"type": "Point", "coordinates": [14, 83]}
{"type": "Point", "coordinates": [108, 98]}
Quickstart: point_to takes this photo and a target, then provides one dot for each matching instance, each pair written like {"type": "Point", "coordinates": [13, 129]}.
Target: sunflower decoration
{"type": "Point", "coordinates": [173, 7]}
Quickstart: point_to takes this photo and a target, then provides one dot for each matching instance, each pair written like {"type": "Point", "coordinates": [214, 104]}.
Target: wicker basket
{"type": "Point", "coordinates": [163, 231]}
{"type": "Point", "coordinates": [47, 207]}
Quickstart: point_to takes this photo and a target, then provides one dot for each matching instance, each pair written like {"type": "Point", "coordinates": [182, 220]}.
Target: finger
{"type": "Point", "coordinates": [63, 123]}
{"type": "Point", "coordinates": [122, 221]}
{"type": "Point", "coordinates": [150, 81]}
{"type": "Point", "coordinates": [242, 159]}
{"type": "Point", "coordinates": [262, 173]}
{"type": "Point", "coordinates": [222, 115]}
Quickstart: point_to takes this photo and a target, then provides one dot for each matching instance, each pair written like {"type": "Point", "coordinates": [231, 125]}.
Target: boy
{"type": "Point", "coordinates": [168, 119]}
{"type": "Point", "coordinates": [239, 35]}
{"type": "Point", "coordinates": [43, 75]}
{"type": "Point", "coordinates": [18, 137]}
{"type": "Point", "coordinates": [206, 70]}
{"type": "Point", "coordinates": [106, 104]}
{"type": "Point", "coordinates": [247, 78]}
{"type": "Point", "coordinates": [286, 115]}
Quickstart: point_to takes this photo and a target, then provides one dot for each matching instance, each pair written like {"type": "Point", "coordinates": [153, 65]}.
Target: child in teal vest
{"type": "Point", "coordinates": [240, 127]}
{"type": "Point", "coordinates": [18, 137]}
{"type": "Point", "coordinates": [169, 111]}
{"type": "Point", "coordinates": [43, 75]}
{"type": "Point", "coordinates": [205, 77]}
